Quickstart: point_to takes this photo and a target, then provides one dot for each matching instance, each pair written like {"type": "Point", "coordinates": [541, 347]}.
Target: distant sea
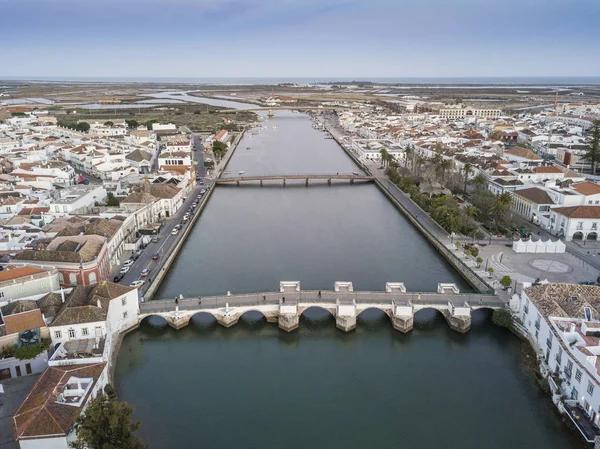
{"type": "Point", "coordinates": [509, 81]}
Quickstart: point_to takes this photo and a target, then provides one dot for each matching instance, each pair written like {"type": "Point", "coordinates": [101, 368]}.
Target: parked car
{"type": "Point", "coordinates": [202, 192]}
{"type": "Point", "coordinates": [137, 283]}
{"type": "Point", "coordinates": [128, 263]}
{"type": "Point", "coordinates": [175, 232]}
{"type": "Point", "coordinates": [145, 272]}
{"type": "Point", "coordinates": [155, 239]}
{"type": "Point", "coordinates": [118, 277]}
{"type": "Point", "coordinates": [124, 270]}
{"type": "Point", "coordinates": [155, 256]}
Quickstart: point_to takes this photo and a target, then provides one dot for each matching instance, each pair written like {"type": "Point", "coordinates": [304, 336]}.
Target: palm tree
{"type": "Point", "coordinates": [469, 211]}
{"type": "Point", "coordinates": [467, 170]}
{"type": "Point", "coordinates": [506, 199]}
{"type": "Point", "coordinates": [385, 156]}
{"type": "Point", "coordinates": [407, 152]}
{"type": "Point", "coordinates": [445, 165]}
{"type": "Point", "coordinates": [480, 180]}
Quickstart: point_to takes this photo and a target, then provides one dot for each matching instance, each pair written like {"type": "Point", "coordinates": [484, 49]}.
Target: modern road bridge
{"type": "Point", "coordinates": [306, 178]}
{"type": "Point", "coordinates": [286, 306]}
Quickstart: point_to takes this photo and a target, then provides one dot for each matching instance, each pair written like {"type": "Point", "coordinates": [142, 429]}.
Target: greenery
{"type": "Point", "coordinates": [479, 261]}
{"type": "Point", "coordinates": [108, 123]}
{"type": "Point", "coordinates": [149, 123]}
{"type": "Point", "coordinates": [592, 153]}
{"type": "Point", "coordinates": [18, 114]}
{"type": "Point", "coordinates": [506, 281]}
{"type": "Point", "coordinates": [219, 149]}
{"type": "Point", "coordinates": [106, 424]}
{"type": "Point", "coordinates": [503, 318]}
{"type": "Point", "coordinates": [491, 271]}
{"type": "Point", "coordinates": [132, 123]}
{"type": "Point", "coordinates": [209, 164]}
{"type": "Point", "coordinates": [81, 126]}
{"type": "Point", "coordinates": [26, 352]}
{"type": "Point", "coordinates": [111, 200]}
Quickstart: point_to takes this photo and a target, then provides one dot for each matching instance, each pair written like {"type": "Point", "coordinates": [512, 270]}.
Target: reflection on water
{"type": "Point", "coordinates": [373, 387]}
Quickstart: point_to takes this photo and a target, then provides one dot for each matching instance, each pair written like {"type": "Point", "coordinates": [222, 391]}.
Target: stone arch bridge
{"type": "Point", "coordinates": [286, 306]}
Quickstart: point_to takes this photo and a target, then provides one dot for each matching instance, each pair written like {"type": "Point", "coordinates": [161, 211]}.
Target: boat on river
{"type": "Point", "coordinates": [241, 172]}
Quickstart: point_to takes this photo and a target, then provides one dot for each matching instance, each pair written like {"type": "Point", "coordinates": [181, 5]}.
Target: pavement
{"type": "Point", "coordinates": [167, 241]}
{"type": "Point", "coordinates": [15, 391]}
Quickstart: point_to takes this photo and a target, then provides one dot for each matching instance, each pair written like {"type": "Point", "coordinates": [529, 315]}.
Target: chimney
{"type": "Point", "coordinates": [572, 327]}
{"type": "Point", "coordinates": [62, 295]}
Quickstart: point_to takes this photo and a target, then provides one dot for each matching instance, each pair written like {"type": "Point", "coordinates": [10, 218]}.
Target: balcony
{"type": "Point", "coordinates": [537, 325]}
{"type": "Point", "coordinates": [548, 342]}
{"type": "Point", "coordinates": [582, 422]}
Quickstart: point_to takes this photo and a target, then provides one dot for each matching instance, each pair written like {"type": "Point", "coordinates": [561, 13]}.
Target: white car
{"type": "Point", "coordinates": [137, 284]}
{"type": "Point", "coordinates": [124, 270]}
{"type": "Point", "coordinates": [175, 232]}
{"type": "Point", "coordinates": [128, 263]}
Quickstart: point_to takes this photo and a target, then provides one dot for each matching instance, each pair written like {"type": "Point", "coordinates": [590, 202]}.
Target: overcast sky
{"type": "Point", "coordinates": [299, 38]}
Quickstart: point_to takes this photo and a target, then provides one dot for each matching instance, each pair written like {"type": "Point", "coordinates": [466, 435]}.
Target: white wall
{"type": "Point", "coordinates": [45, 443]}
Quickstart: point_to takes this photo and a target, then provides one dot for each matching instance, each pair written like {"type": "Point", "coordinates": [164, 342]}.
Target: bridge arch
{"type": "Point", "coordinates": [429, 316]}
{"type": "Point", "coordinates": [373, 317]}
{"type": "Point", "coordinates": [202, 317]}
{"type": "Point", "coordinates": [155, 320]}
{"type": "Point", "coordinates": [316, 312]}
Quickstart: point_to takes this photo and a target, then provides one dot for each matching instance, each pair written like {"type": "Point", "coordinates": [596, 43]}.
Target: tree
{"type": "Point", "coordinates": [479, 261]}
{"type": "Point", "coordinates": [467, 170]}
{"type": "Point", "coordinates": [506, 281]}
{"type": "Point", "coordinates": [385, 156]}
{"type": "Point", "coordinates": [491, 271]}
{"type": "Point", "coordinates": [108, 123]}
{"type": "Point", "coordinates": [82, 126]}
{"type": "Point", "coordinates": [408, 152]}
{"type": "Point", "coordinates": [592, 153]}
{"type": "Point", "coordinates": [132, 123]}
{"type": "Point", "coordinates": [106, 424]}
{"type": "Point", "coordinates": [506, 199]}
{"type": "Point", "coordinates": [111, 200]}
{"type": "Point", "coordinates": [445, 165]}
{"type": "Point", "coordinates": [469, 211]}
{"type": "Point", "coordinates": [479, 180]}
{"type": "Point", "coordinates": [219, 149]}
{"type": "Point", "coordinates": [503, 318]}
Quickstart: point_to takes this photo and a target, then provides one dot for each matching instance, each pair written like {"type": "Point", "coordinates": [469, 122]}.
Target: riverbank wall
{"type": "Point", "coordinates": [164, 269]}
{"type": "Point", "coordinates": [465, 271]}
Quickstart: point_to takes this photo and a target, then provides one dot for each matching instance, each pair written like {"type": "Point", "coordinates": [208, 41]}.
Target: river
{"type": "Point", "coordinates": [255, 386]}
{"type": "Point", "coordinates": [250, 237]}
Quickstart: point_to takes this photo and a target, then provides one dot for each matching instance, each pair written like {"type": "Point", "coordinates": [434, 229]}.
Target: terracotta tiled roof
{"type": "Point", "coordinates": [564, 300]}
{"type": "Point", "coordinates": [586, 188]}
{"type": "Point", "coordinates": [23, 305]}
{"type": "Point", "coordinates": [535, 195]}
{"type": "Point", "coordinates": [23, 321]}
{"type": "Point", "coordinates": [89, 304]}
{"type": "Point", "coordinates": [11, 272]}
{"type": "Point", "coordinates": [578, 211]}
{"type": "Point", "coordinates": [40, 415]}
{"type": "Point", "coordinates": [525, 153]}
{"type": "Point", "coordinates": [50, 304]}
{"type": "Point", "coordinates": [548, 169]}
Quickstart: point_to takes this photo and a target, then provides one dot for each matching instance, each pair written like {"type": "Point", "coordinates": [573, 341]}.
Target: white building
{"type": "Point", "coordinates": [575, 222]}
{"type": "Point", "coordinates": [562, 322]}
{"type": "Point", "coordinates": [24, 281]}
{"type": "Point", "coordinates": [77, 197]}
{"type": "Point", "coordinates": [369, 150]}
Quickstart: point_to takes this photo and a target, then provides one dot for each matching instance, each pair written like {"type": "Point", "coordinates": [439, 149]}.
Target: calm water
{"type": "Point", "coordinates": [254, 386]}
{"type": "Point", "coordinates": [249, 238]}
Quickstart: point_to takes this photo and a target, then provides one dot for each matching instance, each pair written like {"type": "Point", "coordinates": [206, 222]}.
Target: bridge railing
{"type": "Point", "coordinates": [313, 297]}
